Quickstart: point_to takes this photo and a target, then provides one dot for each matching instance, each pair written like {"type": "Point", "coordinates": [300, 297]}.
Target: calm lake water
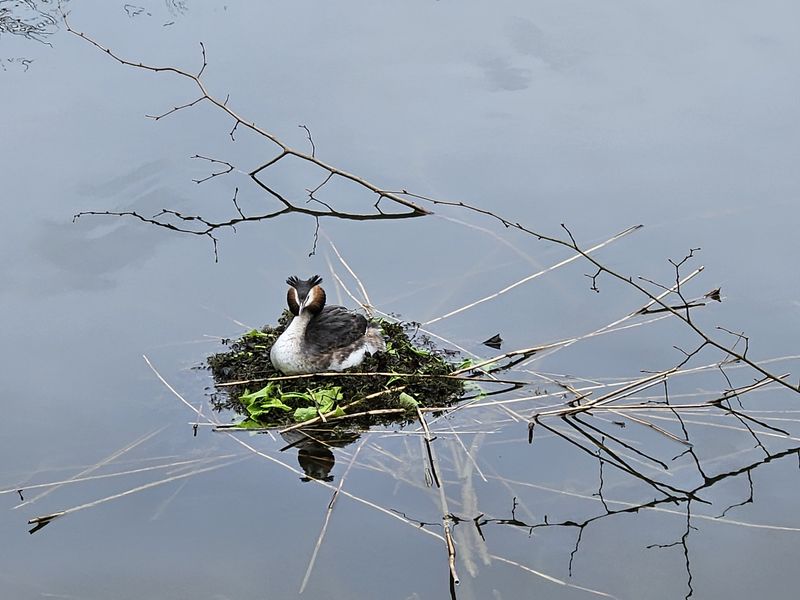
{"type": "Point", "coordinates": [681, 117]}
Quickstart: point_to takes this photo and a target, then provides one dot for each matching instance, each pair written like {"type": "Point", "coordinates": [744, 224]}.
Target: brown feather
{"type": "Point", "coordinates": [293, 301]}
{"type": "Point", "coordinates": [316, 300]}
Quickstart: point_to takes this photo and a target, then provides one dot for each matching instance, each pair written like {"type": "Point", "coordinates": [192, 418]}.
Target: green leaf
{"type": "Point", "coordinates": [408, 401]}
{"type": "Point", "coordinates": [274, 403]}
{"type": "Point", "coordinates": [259, 404]}
{"type": "Point", "coordinates": [324, 399]}
{"type": "Point", "coordinates": [466, 364]}
{"type": "Point", "coordinates": [255, 333]}
{"type": "Point", "coordinates": [298, 395]}
{"type": "Point", "coordinates": [305, 414]}
{"type": "Point", "coordinates": [266, 392]}
{"type": "Point", "coordinates": [309, 412]}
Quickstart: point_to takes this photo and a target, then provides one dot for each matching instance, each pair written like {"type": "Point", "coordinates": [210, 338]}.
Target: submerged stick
{"type": "Point", "coordinates": [359, 499]}
{"type": "Point", "coordinates": [446, 518]}
{"type": "Point", "coordinates": [180, 463]}
{"type": "Point", "coordinates": [328, 514]}
{"type": "Point", "coordinates": [533, 276]}
{"type": "Point", "coordinates": [110, 458]}
{"type": "Point", "coordinates": [41, 521]}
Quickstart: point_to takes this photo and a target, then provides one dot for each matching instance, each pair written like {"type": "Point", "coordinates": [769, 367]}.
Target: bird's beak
{"type": "Point", "coordinates": [315, 297]}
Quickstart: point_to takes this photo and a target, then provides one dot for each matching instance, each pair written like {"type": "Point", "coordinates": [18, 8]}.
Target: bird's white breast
{"type": "Point", "coordinates": [287, 354]}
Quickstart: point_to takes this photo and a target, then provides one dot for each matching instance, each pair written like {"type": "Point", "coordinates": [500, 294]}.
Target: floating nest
{"type": "Point", "coordinates": [385, 388]}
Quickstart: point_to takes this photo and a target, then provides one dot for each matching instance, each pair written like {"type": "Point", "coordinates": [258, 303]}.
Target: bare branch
{"type": "Point", "coordinates": [175, 109]}
{"type": "Point", "coordinates": [229, 168]}
{"type": "Point", "coordinates": [310, 140]}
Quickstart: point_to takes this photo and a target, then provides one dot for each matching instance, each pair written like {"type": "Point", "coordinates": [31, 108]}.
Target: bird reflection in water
{"type": "Point", "coordinates": [315, 454]}
{"type": "Point", "coordinates": [317, 461]}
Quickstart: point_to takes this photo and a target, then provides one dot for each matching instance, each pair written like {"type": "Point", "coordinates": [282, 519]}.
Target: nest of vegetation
{"type": "Point", "coordinates": [389, 385]}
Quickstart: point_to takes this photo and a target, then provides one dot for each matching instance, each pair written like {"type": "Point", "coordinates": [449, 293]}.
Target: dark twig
{"type": "Point", "coordinates": [236, 204]}
{"type": "Point", "coordinates": [682, 542]}
{"type": "Point", "coordinates": [229, 168]}
{"type": "Point", "coordinates": [415, 210]}
{"type": "Point", "coordinates": [748, 500]}
{"type": "Point", "coordinates": [316, 237]}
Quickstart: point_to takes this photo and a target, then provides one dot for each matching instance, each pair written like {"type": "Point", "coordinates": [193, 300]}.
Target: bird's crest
{"type": "Point", "coordinates": [296, 282]}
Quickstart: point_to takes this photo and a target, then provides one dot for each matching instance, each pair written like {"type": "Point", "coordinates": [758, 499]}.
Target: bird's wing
{"type": "Point", "coordinates": [335, 327]}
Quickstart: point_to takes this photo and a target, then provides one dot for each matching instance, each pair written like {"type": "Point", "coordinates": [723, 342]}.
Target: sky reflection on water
{"type": "Point", "coordinates": [683, 118]}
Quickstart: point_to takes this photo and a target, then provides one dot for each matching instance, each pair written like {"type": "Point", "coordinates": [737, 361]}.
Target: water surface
{"type": "Point", "coordinates": [682, 118]}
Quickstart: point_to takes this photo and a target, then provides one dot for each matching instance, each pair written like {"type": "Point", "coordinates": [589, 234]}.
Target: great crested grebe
{"type": "Point", "coordinates": [321, 338]}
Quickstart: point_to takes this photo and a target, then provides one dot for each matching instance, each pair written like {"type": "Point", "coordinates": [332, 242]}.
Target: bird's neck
{"type": "Point", "coordinates": [298, 325]}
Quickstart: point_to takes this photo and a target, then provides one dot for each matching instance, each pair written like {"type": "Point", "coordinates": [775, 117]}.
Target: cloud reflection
{"type": "Point", "coordinates": [89, 253]}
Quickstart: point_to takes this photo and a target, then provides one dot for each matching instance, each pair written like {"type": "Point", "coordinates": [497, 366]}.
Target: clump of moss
{"type": "Point", "coordinates": [415, 376]}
